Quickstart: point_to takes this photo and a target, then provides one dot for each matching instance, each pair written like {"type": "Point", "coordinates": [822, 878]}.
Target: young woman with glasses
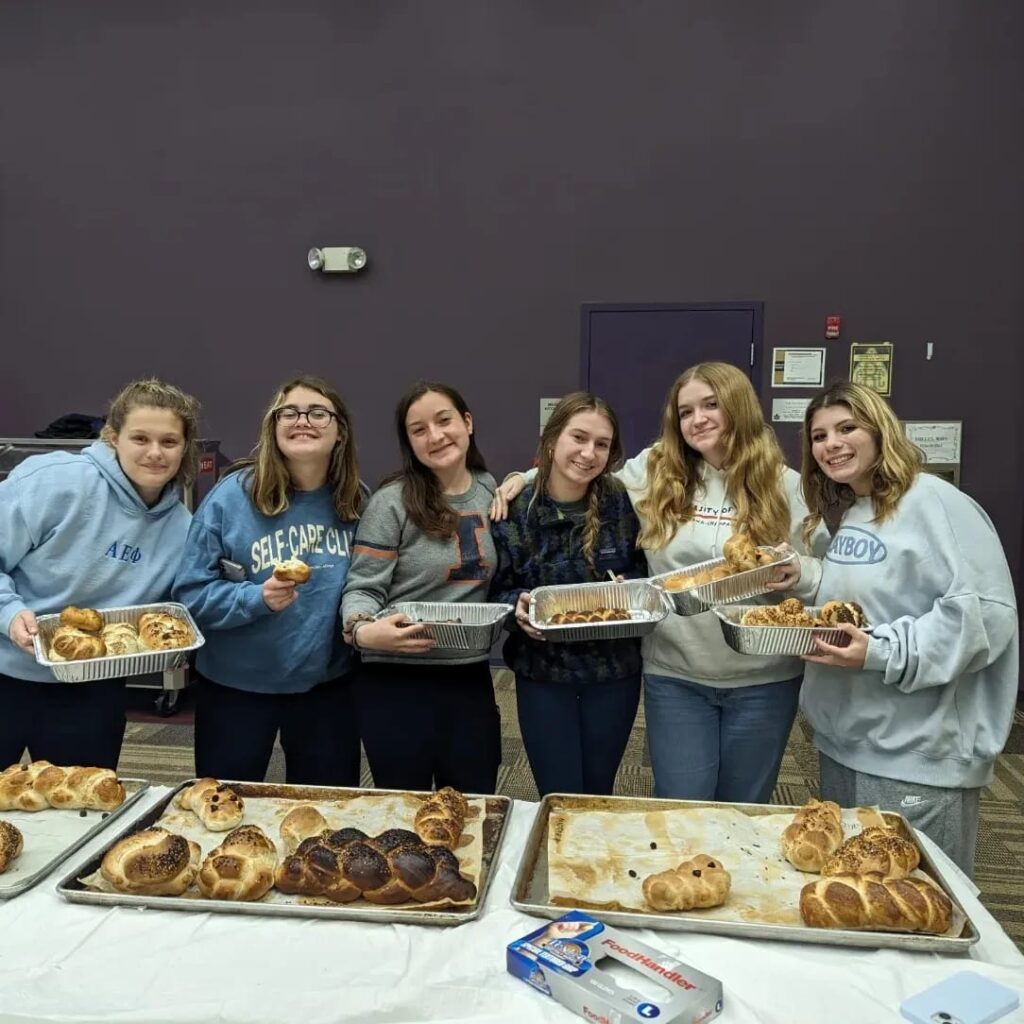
{"type": "Point", "coordinates": [426, 717]}
{"type": "Point", "coordinates": [274, 660]}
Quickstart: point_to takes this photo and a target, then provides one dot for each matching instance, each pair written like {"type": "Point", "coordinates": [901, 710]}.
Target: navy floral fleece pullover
{"type": "Point", "coordinates": [543, 546]}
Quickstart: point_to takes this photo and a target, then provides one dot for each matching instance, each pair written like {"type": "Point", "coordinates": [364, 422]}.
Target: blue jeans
{"type": "Point", "coordinates": [576, 733]}
{"type": "Point", "coordinates": [711, 743]}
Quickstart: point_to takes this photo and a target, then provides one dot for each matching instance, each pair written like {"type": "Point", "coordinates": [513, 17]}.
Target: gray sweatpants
{"type": "Point", "coordinates": [949, 817]}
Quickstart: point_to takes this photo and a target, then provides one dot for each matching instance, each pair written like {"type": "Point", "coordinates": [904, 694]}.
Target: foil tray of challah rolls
{"type": "Point", "coordinates": [788, 627]}
{"type": "Point", "coordinates": [80, 645]}
{"type": "Point", "coordinates": [597, 611]}
{"type": "Point", "coordinates": [454, 625]}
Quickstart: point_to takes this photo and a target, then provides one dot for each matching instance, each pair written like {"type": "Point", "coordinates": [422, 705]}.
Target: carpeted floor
{"type": "Point", "coordinates": [161, 750]}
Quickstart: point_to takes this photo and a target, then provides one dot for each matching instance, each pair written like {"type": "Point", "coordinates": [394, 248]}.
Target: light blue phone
{"type": "Point", "coordinates": [963, 998]}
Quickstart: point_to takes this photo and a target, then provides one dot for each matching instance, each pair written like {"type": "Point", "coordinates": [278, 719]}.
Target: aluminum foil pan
{"type": "Point", "coordinates": [775, 640]}
{"type": "Point", "coordinates": [740, 587]}
{"type": "Point", "coordinates": [647, 606]}
{"type": "Point", "coordinates": [455, 625]}
{"type": "Point", "coordinates": [117, 666]}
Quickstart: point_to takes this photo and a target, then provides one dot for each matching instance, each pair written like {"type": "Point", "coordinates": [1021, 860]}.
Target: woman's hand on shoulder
{"type": "Point", "coordinates": [851, 656]}
{"type": "Point", "coordinates": [23, 628]}
{"type": "Point", "coordinates": [279, 594]}
{"type": "Point", "coordinates": [396, 634]}
{"type": "Point", "coordinates": [508, 490]}
{"type": "Point", "coordinates": [523, 617]}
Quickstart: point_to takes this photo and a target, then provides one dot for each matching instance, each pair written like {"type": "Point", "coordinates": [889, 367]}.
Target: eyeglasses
{"type": "Point", "coordinates": [316, 415]}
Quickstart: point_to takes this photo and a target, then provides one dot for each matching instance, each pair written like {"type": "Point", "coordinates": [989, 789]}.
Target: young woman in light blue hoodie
{"type": "Point", "coordinates": [274, 660]}
{"type": "Point", "coordinates": [100, 529]}
{"type": "Point", "coordinates": [912, 715]}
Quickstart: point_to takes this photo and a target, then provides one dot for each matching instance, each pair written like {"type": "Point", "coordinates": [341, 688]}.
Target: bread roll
{"type": "Point", "coordinates": [293, 569]}
{"type": "Point", "coordinates": [874, 851]}
{"type": "Point", "coordinates": [694, 884]}
{"type": "Point", "coordinates": [299, 824]}
{"type": "Point", "coordinates": [740, 552]}
{"type": "Point", "coordinates": [159, 631]}
{"type": "Point", "coordinates": [869, 902]}
{"type": "Point", "coordinates": [152, 863]}
{"type": "Point", "coordinates": [215, 805]}
{"type": "Point", "coordinates": [241, 868]}
{"type": "Point", "coordinates": [72, 644]}
{"type": "Point", "coordinates": [18, 787]}
{"type": "Point", "coordinates": [11, 844]}
{"type": "Point", "coordinates": [441, 817]}
{"type": "Point", "coordinates": [94, 789]}
{"type": "Point", "coordinates": [87, 619]}
{"type": "Point", "coordinates": [814, 835]}
{"type": "Point", "coordinates": [121, 638]}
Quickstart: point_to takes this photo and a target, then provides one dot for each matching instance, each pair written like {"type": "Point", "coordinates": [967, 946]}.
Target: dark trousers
{"type": "Point", "coordinates": [427, 724]}
{"type": "Point", "coordinates": [235, 732]}
{"type": "Point", "coordinates": [576, 733]}
{"type": "Point", "coordinates": [66, 723]}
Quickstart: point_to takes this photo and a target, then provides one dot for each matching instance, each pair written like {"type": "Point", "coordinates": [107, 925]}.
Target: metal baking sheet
{"type": "Point", "coordinates": [775, 640]}
{"type": "Point", "coordinates": [455, 625]}
{"type": "Point", "coordinates": [645, 603]}
{"type": "Point", "coordinates": [117, 666]}
{"type": "Point", "coordinates": [530, 891]}
{"type": "Point", "coordinates": [53, 834]}
{"type": "Point", "coordinates": [498, 810]}
{"type": "Point", "coordinates": [739, 587]}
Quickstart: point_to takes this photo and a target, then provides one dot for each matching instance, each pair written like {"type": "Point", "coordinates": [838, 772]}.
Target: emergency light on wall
{"type": "Point", "coordinates": [337, 260]}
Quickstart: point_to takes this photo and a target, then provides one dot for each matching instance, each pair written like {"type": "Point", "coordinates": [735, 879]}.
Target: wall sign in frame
{"type": "Point", "coordinates": [871, 365]}
{"type": "Point", "coordinates": [789, 410]}
{"type": "Point", "coordinates": [798, 367]}
{"type": "Point", "coordinates": [940, 441]}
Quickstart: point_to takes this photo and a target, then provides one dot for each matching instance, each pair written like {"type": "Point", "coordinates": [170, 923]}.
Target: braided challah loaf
{"type": "Point", "coordinates": [394, 867]}
{"type": "Point", "coordinates": [11, 844]}
{"type": "Point", "coordinates": [814, 834]}
{"type": "Point", "coordinates": [869, 902]}
{"type": "Point", "coordinates": [696, 883]}
{"type": "Point", "coordinates": [241, 868]}
{"type": "Point", "coordinates": [36, 786]}
{"type": "Point", "coordinates": [152, 863]}
{"type": "Point", "coordinates": [874, 851]}
{"type": "Point", "coordinates": [18, 787]}
{"type": "Point", "coordinates": [215, 805]}
{"type": "Point", "coordinates": [72, 644]}
{"type": "Point", "coordinates": [441, 817]}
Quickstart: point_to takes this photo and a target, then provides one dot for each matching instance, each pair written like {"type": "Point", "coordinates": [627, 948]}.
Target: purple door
{"type": "Point", "coordinates": [631, 353]}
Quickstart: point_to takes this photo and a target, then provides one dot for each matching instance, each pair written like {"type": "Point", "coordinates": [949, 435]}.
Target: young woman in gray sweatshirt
{"type": "Point", "coordinates": [425, 717]}
{"type": "Point", "coordinates": [912, 715]}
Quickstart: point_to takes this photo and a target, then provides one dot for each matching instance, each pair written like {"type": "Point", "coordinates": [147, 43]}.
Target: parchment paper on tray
{"type": "Point", "coordinates": [599, 859]}
{"type": "Point", "coordinates": [372, 814]}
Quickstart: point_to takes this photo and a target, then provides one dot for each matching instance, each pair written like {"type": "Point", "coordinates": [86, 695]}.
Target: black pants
{"type": "Point", "coordinates": [576, 733]}
{"type": "Point", "coordinates": [426, 724]}
{"type": "Point", "coordinates": [236, 729]}
{"type": "Point", "coordinates": [66, 723]}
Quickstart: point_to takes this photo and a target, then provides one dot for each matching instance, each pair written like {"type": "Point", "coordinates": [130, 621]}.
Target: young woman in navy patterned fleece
{"type": "Point", "coordinates": [576, 701]}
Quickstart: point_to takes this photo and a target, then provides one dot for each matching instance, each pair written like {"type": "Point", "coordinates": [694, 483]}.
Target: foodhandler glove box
{"type": "Point", "coordinates": [562, 960]}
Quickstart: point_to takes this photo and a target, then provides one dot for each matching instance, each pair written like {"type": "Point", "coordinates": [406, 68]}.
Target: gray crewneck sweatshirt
{"type": "Point", "coordinates": [393, 561]}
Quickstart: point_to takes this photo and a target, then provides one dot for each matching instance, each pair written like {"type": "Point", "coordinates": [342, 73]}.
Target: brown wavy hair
{"type": "Point", "coordinates": [893, 474]}
{"type": "Point", "coordinates": [422, 496]}
{"type": "Point", "coordinates": [271, 483]}
{"type": "Point", "coordinates": [152, 393]}
{"type": "Point", "coordinates": [753, 465]}
{"type": "Point", "coordinates": [569, 406]}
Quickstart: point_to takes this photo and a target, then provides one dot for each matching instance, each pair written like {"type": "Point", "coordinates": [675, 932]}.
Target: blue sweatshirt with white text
{"type": "Point", "coordinates": [249, 647]}
{"type": "Point", "coordinates": [74, 531]}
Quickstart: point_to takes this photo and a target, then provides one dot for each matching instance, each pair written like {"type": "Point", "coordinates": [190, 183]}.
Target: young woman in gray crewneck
{"type": "Point", "coordinates": [426, 717]}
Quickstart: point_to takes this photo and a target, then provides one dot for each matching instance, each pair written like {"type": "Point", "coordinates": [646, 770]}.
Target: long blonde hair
{"type": "Point", "coordinates": [153, 393]}
{"type": "Point", "coordinates": [893, 474]}
{"type": "Point", "coordinates": [569, 406]}
{"type": "Point", "coordinates": [753, 464]}
{"type": "Point", "coordinates": [270, 479]}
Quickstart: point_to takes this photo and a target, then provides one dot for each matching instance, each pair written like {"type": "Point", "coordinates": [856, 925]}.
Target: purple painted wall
{"type": "Point", "coordinates": [165, 168]}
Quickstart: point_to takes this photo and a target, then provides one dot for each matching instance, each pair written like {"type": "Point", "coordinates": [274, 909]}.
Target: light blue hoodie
{"type": "Point", "coordinates": [934, 701]}
{"type": "Point", "coordinates": [249, 647]}
{"type": "Point", "coordinates": [73, 530]}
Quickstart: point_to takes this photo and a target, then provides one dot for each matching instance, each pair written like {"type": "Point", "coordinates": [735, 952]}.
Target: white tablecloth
{"type": "Point", "coordinates": [83, 964]}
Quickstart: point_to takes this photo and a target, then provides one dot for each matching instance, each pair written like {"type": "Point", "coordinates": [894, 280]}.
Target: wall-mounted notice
{"type": "Point", "coordinates": [547, 407]}
{"type": "Point", "coordinates": [789, 410]}
{"type": "Point", "coordinates": [938, 439]}
{"type": "Point", "coordinates": [798, 367]}
{"type": "Point", "coordinates": [871, 365]}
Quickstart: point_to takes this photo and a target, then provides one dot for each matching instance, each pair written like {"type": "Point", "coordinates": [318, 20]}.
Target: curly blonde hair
{"type": "Point", "coordinates": [893, 474]}
{"type": "Point", "coordinates": [153, 393]}
{"type": "Point", "coordinates": [271, 481]}
{"type": "Point", "coordinates": [569, 406]}
{"type": "Point", "coordinates": [753, 465]}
